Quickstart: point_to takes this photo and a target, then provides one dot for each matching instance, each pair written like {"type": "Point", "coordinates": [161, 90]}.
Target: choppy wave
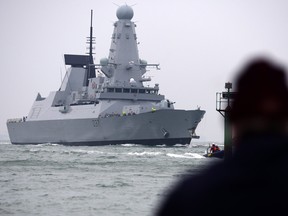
{"type": "Point", "coordinates": [145, 153]}
{"type": "Point", "coordinates": [194, 155]}
{"type": "Point", "coordinates": [81, 151]}
{"type": "Point", "coordinates": [115, 184]}
{"type": "Point", "coordinates": [35, 149]}
{"type": "Point", "coordinates": [129, 145]}
{"type": "Point", "coordinates": [46, 144]}
{"type": "Point", "coordinates": [181, 145]}
{"type": "Point", "coordinates": [163, 145]}
{"type": "Point", "coordinates": [185, 155]}
{"type": "Point", "coordinates": [81, 176]}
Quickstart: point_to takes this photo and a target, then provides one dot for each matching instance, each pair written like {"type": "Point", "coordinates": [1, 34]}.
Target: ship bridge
{"type": "Point", "coordinates": [132, 93]}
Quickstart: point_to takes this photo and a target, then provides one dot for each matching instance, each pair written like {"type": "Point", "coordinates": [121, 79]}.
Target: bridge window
{"type": "Point", "coordinates": [118, 90]}
{"type": "Point", "coordinates": [110, 90]}
{"type": "Point", "coordinates": [141, 91]}
{"type": "Point", "coordinates": [126, 90]}
{"type": "Point", "coordinates": [133, 90]}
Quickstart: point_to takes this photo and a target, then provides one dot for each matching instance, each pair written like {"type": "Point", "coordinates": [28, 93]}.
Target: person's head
{"type": "Point", "coordinates": [261, 101]}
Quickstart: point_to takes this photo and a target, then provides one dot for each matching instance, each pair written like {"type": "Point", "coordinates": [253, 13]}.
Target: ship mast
{"type": "Point", "coordinates": [90, 41]}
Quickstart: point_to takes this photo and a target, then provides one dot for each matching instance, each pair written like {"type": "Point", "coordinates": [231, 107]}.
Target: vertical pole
{"type": "Point", "coordinates": [90, 48]}
{"type": "Point", "coordinates": [91, 37]}
{"type": "Point", "coordinates": [227, 126]}
{"type": "Point", "coordinates": [90, 61]}
{"type": "Point", "coordinates": [227, 135]}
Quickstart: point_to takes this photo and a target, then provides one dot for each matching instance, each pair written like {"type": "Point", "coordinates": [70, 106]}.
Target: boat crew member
{"type": "Point", "coordinates": [214, 148]}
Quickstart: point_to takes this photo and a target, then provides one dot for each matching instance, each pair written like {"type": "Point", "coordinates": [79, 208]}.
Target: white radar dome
{"type": "Point", "coordinates": [125, 12]}
{"type": "Point", "coordinates": [104, 62]}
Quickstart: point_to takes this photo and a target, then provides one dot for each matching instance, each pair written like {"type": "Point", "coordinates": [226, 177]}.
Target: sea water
{"type": "Point", "coordinates": [51, 179]}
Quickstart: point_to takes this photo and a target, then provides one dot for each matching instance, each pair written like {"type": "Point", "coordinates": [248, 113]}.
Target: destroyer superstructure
{"type": "Point", "coordinates": [106, 103]}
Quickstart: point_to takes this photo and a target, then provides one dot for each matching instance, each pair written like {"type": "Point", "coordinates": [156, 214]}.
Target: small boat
{"type": "Point", "coordinates": [216, 154]}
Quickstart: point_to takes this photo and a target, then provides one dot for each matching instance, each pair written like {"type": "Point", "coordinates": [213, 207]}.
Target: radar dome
{"type": "Point", "coordinates": [104, 62]}
{"type": "Point", "coordinates": [125, 12]}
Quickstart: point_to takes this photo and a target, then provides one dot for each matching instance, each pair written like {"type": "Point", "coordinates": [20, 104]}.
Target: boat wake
{"type": "Point", "coordinates": [145, 153]}
{"type": "Point", "coordinates": [129, 145]}
{"type": "Point", "coordinates": [186, 155]}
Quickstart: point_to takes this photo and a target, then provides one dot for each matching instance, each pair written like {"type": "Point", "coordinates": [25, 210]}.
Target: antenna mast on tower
{"type": "Point", "coordinates": [91, 39]}
{"type": "Point", "coordinates": [91, 42]}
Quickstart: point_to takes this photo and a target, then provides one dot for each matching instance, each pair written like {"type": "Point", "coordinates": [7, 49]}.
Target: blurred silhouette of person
{"type": "Point", "coordinates": [254, 181]}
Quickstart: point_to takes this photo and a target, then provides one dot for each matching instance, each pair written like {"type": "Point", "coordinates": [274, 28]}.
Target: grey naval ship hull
{"type": "Point", "coordinates": [161, 127]}
{"type": "Point", "coordinates": [107, 103]}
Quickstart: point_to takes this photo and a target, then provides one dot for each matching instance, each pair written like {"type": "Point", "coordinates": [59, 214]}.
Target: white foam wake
{"type": "Point", "coordinates": [195, 155]}
{"type": "Point", "coordinates": [186, 155]}
{"type": "Point", "coordinates": [129, 145]}
{"type": "Point", "coordinates": [81, 151]}
{"type": "Point", "coordinates": [178, 155]}
{"type": "Point", "coordinates": [144, 153]}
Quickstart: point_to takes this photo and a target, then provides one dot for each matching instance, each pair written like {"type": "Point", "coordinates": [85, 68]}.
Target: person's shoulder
{"type": "Point", "coordinates": [208, 176]}
{"type": "Point", "coordinates": [189, 194]}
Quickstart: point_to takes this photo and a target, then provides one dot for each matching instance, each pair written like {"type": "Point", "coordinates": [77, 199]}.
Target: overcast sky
{"type": "Point", "coordinates": [200, 45]}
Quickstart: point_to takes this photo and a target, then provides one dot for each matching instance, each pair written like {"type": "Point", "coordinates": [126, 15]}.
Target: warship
{"type": "Point", "coordinates": [106, 103]}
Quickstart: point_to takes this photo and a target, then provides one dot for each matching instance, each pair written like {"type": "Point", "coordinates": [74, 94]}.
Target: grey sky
{"type": "Point", "coordinates": [200, 44]}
